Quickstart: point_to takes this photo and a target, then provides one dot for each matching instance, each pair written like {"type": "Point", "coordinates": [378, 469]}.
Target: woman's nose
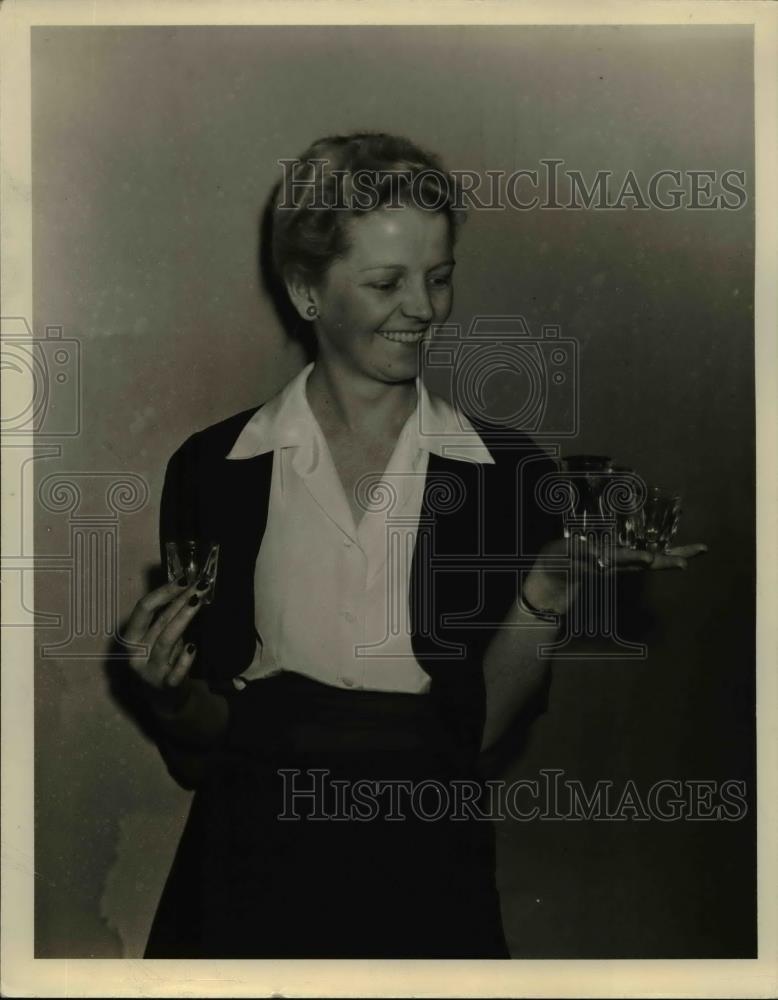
{"type": "Point", "coordinates": [417, 304]}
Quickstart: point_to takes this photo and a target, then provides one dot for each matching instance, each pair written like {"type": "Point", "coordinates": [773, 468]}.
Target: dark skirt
{"type": "Point", "coordinates": [328, 827]}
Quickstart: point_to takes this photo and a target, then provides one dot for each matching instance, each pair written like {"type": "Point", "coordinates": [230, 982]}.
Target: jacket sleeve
{"type": "Point", "coordinates": [180, 517]}
{"type": "Point", "coordinates": [518, 524]}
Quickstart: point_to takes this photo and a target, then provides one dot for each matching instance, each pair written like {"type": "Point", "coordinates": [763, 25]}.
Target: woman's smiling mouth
{"type": "Point", "coordinates": [403, 336]}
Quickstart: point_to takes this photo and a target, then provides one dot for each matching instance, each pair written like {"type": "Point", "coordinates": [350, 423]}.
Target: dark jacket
{"type": "Point", "coordinates": [478, 524]}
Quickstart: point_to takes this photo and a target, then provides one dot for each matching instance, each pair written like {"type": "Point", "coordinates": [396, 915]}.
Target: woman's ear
{"type": "Point", "coordinates": [303, 297]}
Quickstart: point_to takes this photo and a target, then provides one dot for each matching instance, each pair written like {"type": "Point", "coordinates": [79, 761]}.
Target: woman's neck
{"type": "Point", "coordinates": [354, 404]}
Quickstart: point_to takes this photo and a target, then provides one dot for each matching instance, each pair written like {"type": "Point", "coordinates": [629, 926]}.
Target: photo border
{"type": "Point", "coordinates": [22, 974]}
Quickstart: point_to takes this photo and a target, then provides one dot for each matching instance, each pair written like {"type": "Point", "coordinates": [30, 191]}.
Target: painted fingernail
{"type": "Point", "coordinates": [191, 648]}
{"type": "Point", "coordinates": [193, 601]}
{"type": "Point", "coordinates": [203, 583]}
{"type": "Point", "coordinates": [181, 581]}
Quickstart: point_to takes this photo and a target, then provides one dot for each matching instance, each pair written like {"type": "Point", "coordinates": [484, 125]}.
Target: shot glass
{"type": "Point", "coordinates": [629, 518]}
{"type": "Point", "coordinates": [193, 559]}
{"type": "Point", "coordinates": [658, 520]}
{"type": "Point", "coordinates": [588, 475]}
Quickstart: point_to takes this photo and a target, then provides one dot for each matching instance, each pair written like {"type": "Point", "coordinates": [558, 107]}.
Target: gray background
{"type": "Point", "coordinates": [154, 150]}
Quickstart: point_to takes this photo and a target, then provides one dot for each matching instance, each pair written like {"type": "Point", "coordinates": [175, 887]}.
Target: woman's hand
{"type": "Point", "coordinates": [549, 587]}
{"type": "Point", "coordinates": [627, 560]}
{"type": "Point", "coordinates": [157, 626]}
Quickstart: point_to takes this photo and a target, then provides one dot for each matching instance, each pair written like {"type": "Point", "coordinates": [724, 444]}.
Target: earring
{"type": "Point", "coordinates": [312, 311]}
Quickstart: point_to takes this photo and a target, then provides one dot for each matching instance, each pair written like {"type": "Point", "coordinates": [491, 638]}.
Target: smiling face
{"type": "Point", "coordinates": [377, 303]}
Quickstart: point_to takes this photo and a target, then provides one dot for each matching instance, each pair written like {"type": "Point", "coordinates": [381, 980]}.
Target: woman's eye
{"type": "Point", "coordinates": [439, 281]}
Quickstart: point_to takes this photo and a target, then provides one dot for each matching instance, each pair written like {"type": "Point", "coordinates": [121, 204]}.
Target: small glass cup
{"type": "Point", "coordinates": [588, 478]}
{"type": "Point", "coordinates": [658, 520]}
{"type": "Point", "coordinates": [628, 521]}
{"type": "Point", "coordinates": [193, 559]}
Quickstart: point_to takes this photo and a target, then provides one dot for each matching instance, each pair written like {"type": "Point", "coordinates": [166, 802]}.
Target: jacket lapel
{"type": "Point", "coordinates": [235, 514]}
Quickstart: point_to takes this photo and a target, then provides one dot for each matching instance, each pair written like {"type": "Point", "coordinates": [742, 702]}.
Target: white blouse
{"type": "Point", "coordinates": [332, 596]}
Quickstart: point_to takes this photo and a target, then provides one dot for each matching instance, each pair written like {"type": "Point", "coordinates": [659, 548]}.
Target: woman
{"type": "Point", "coordinates": [350, 672]}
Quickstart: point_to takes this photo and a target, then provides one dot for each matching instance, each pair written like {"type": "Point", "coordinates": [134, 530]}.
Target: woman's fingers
{"type": "Point", "coordinates": [622, 558]}
{"type": "Point", "coordinates": [674, 558]}
{"type": "Point", "coordinates": [181, 666]}
{"type": "Point", "coordinates": [629, 560]}
{"type": "Point", "coordinates": [583, 558]}
{"type": "Point", "coordinates": [170, 612]}
{"type": "Point", "coordinates": [663, 561]}
{"type": "Point", "coordinates": [160, 644]}
{"type": "Point", "coordinates": [626, 560]}
{"type": "Point", "coordinates": [176, 651]}
{"type": "Point", "coordinates": [173, 631]}
{"type": "Point", "coordinates": [144, 611]}
{"type": "Point", "coordinates": [688, 551]}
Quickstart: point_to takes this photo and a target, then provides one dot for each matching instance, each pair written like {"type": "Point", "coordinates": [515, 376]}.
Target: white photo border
{"type": "Point", "coordinates": [22, 974]}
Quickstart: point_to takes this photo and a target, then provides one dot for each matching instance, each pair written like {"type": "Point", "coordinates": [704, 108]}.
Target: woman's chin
{"type": "Point", "coordinates": [400, 362]}
{"type": "Point", "coordinates": [400, 370]}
